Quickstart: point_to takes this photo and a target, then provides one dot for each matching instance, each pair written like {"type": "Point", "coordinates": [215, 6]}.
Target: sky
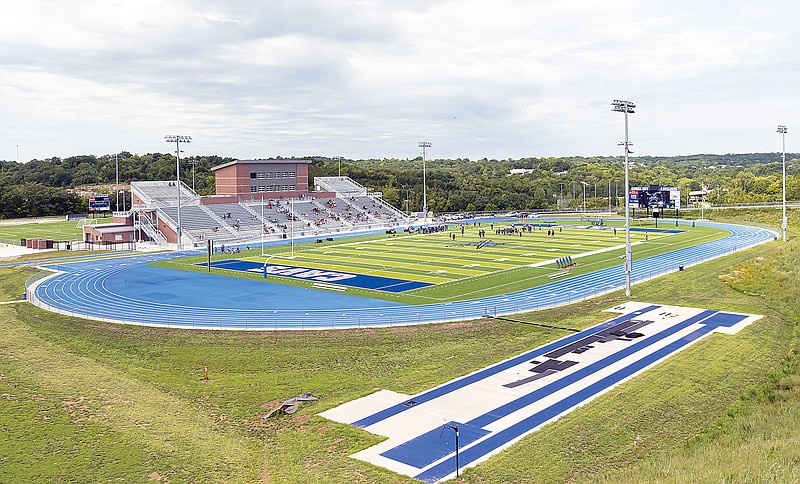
{"type": "Point", "coordinates": [371, 79]}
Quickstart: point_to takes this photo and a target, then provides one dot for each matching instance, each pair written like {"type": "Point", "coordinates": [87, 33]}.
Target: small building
{"type": "Point", "coordinates": [120, 231]}
{"type": "Point", "coordinates": [109, 234]}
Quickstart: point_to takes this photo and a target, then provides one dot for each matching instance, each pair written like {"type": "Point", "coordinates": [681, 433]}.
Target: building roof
{"type": "Point", "coordinates": [270, 161]}
{"type": "Point", "coordinates": [112, 228]}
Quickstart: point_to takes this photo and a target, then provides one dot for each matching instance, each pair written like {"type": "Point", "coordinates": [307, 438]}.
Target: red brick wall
{"type": "Point", "coordinates": [302, 176]}
{"type": "Point", "coordinates": [169, 232]}
{"type": "Point", "coordinates": [235, 179]}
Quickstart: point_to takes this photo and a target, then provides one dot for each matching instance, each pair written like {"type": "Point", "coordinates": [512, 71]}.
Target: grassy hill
{"type": "Point", "coordinates": [85, 401]}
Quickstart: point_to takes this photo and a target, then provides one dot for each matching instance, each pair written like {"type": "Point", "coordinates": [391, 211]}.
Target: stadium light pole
{"type": "Point", "coordinates": [116, 171]}
{"type": "Point", "coordinates": [561, 200]}
{"type": "Point", "coordinates": [784, 222]}
{"type": "Point", "coordinates": [423, 145]}
{"type": "Point", "coordinates": [178, 139]}
{"type": "Point", "coordinates": [626, 107]}
{"type": "Point", "coordinates": [339, 158]}
{"type": "Point", "coordinates": [584, 197]}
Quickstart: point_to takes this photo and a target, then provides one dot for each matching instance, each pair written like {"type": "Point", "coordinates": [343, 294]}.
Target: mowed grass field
{"type": "Point", "coordinates": [55, 229]}
{"type": "Point", "coordinates": [82, 401]}
{"type": "Point", "coordinates": [470, 266]}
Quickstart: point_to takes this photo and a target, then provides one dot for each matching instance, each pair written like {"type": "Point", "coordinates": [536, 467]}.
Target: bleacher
{"type": "Point", "coordinates": [193, 217]}
{"type": "Point", "coordinates": [232, 222]}
{"type": "Point", "coordinates": [378, 210]}
{"type": "Point", "coordinates": [276, 215]}
{"type": "Point", "coordinates": [235, 216]}
{"type": "Point", "coordinates": [343, 186]}
{"type": "Point", "coordinates": [324, 212]}
{"type": "Point", "coordinates": [163, 193]}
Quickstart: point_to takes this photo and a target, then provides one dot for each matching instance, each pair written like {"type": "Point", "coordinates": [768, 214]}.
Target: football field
{"type": "Point", "coordinates": [459, 261]}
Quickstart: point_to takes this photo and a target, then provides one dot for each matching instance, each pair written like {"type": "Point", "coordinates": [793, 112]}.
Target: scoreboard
{"type": "Point", "coordinates": [99, 203]}
{"type": "Point", "coordinates": [654, 196]}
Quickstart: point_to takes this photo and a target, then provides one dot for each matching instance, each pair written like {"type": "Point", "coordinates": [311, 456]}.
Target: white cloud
{"type": "Point", "coordinates": [371, 78]}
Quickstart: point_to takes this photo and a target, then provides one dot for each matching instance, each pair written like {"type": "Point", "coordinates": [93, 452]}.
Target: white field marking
{"type": "Point", "coordinates": [481, 290]}
{"type": "Point", "coordinates": [540, 276]}
{"type": "Point", "coordinates": [344, 264]}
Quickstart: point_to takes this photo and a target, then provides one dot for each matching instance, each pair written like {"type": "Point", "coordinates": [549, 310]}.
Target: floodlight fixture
{"type": "Point", "coordinates": [623, 106]}
{"type": "Point", "coordinates": [626, 107]}
{"type": "Point", "coordinates": [784, 221]}
{"type": "Point", "coordinates": [423, 145]}
{"type": "Point", "coordinates": [178, 139]}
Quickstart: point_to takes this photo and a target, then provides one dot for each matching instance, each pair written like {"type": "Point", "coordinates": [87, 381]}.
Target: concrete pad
{"type": "Point", "coordinates": [547, 383]}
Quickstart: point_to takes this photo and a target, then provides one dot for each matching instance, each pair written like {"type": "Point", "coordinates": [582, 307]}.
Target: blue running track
{"type": "Point", "coordinates": [127, 290]}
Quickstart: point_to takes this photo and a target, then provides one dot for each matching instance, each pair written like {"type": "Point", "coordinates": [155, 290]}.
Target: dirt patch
{"type": "Point", "coordinates": [154, 476]}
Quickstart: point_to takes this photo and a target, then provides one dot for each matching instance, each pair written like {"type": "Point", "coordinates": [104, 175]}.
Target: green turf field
{"type": "Point", "coordinates": [470, 266]}
{"type": "Point", "coordinates": [55, 229]}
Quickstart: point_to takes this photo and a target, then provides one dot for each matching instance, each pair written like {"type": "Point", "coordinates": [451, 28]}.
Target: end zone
{"type": "Point", "coordinates": [363, 281]}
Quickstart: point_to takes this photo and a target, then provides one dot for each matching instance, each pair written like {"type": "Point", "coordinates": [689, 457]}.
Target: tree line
{"type": "Point", "coordinates": [45, 187]}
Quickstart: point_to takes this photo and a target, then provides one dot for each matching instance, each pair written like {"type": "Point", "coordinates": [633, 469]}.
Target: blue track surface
{"type": "Point", "coordinates": [125, 289]}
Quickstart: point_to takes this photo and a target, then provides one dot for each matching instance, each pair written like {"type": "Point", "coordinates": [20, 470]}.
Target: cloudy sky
{"type": "Point", "coordinates": [372, 78]}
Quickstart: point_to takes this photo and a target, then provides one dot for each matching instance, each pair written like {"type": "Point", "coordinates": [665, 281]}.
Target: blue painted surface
{"type": "Point", "coordinates": [79, 291]}
{"type": "Point", "coordinates": [364, 281]}
{"type": "Point", "coordinates": [435, 444]}
{"type": "Point", "coordinates": [494, 369]}
{"type": "Point", "coordinates": [658, 231]}
{"type": "Point", "coordinates": [708, 319]}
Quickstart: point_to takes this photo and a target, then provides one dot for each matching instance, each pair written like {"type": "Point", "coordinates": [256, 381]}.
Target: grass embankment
{"type": "Point", "coordinates": [55, 229]}
{"type": "Point", "coordinates": [85, 401]}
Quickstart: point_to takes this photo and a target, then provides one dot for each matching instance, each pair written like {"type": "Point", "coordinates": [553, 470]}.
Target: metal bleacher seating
{"type": "Point", "coordinates": [193, 217]}
{"type": "Point", "coordinates": [343, 186]}
{"type": "Point", "coordinates": [273, 218]}
{"type": "Point", "coordinates": [236, 216]}
{"type": "Point", "coordinates": [163, 193]}
{"type": "Point", "coordinates": [378, 210]}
